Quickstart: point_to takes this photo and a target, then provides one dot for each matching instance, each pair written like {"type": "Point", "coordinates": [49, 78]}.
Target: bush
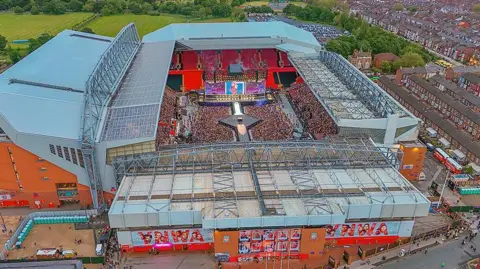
{"type": "Point", "coordinates": [153, 13]}
{"type": "Point", "coordinates": [18, 10]}
{"type": "Point", "coordinates": [34, 10]}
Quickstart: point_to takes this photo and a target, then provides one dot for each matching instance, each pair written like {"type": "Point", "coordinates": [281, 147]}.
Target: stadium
{"type": "Point", "coordinates": [248, 138]}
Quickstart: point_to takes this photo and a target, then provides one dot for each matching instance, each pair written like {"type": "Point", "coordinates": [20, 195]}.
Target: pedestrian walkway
{"type": "Point", "coordinates": [289, 112]}
{"type": "Point", "coordinates": [417, 248]}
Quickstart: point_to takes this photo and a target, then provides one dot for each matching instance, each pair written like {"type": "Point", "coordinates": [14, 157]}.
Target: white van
{"type": "Point", "coordinates": [421, 177]}
{"type": "Point", "coordinates": [99, 249]}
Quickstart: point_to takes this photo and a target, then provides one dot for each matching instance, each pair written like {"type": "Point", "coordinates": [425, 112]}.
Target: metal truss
{"type": "Point", "coordinates": [225, 197]}
{"type": "Point", "coordinates": [294, 155]}
{"type": "Point", "coordinates": [100, 87]}
{"type": "Point", "coordinates": [368, 93]}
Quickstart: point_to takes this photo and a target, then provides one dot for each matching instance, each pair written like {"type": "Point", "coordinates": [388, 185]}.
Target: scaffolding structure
{"type": "Point", "coordinates": [100, 87]}
{"type": "Point", "coordinates": [344, 91]}
{"type": "Point", "coordinates": [301, 159]}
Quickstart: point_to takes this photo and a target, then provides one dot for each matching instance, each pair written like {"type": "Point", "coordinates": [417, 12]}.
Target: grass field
{"type": "Point", "coordinates": [111, 25]}
{"type": "Point", "coordinates": [28, 26]}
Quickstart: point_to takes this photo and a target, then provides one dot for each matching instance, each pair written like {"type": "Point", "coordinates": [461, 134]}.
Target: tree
{"type": "Point", "coordinates": [87, 30]}
{"type": "Point", "coordinates": [135, 7]}
{"type": "Point", "coordinates": [476, 8]}
{"type": "Point", "coordinates": [398, 7]}
{"type": "Point", "coordinates": [75, 5]}
{"type": "Point", "coordinates": [14, 55]}
{"type": "Point", "coordinates": [409, 60]}
{"type": "Point", "coordinates": [34, 10]}
{"type": "Point", "coordinates": [5, 4]}
{"type": "Point", "coordinates": [35, 43]}
{"type": "Point", "coordinates": [3, 42]}
{"type": "Point", "coordinates": [412, 9]}
{"type": "Point", "coordinates": [222, 10]}
{"type": "Point", "coordinates": [468, 170]}
{"type": "Point", "coordinates": [56, 7]}
{"type": "Point", "coordinates": [147, 7]}
{"type": "Point", "coordinates": [18, 10]}
{"type": "Point", "coordinates": [386, 67]}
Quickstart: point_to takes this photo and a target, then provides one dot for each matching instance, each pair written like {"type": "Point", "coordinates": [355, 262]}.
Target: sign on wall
{"type": "Point", "coordinates": [257, 241]}
{"type": "Point", "coordinates": [363, 229]}
{"type": "Point", "coordinates": [174, 237]}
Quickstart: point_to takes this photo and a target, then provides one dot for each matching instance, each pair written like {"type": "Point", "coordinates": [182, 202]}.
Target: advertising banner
{"type": "Point", "coordinates": [363, 229]}
{"type": "Point", "coordinates": [269, 240]}
{"type": "Point", "coordinates": [172, 237]}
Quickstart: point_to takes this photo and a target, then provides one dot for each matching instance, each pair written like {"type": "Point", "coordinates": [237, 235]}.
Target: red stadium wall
{"type": "Point", "coordinates": [32, 171]}
{"type": "Point", "coordinates": [191, 79]}
{"type": "Point", "coordinates": [270, 82]}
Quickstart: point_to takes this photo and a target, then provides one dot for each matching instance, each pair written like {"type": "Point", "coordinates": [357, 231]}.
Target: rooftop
{"type": "Point", "coordinates": [470, 97]}
{"type": "Point", "coordinates": [472, 78]}
{"type": "Point", "coordinates": [461, 137]}
{"type": "Point", "coordinates": [43, 93]}
{"type": "Point", "coordinates": [230, 187]}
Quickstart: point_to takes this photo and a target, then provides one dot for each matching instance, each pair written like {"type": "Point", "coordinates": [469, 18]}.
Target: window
{"type": "Point", "coordinates": [80, 158]}
{"type": "Point", "coordinates": [67, 154]}
{"type": "Point", "coordinates": [59, 152]}
{"type": "Point", "coordinates": [52, 149]}
{"type": "Point", "coordinates": [74, 155]}
{"type": "Point", "coordinates": [43, 169]}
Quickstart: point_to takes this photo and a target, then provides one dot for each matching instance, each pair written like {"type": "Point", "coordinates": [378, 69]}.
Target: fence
{"type": "Point", "coordinates": [11, 242]}
{"type": "Point", "coordinates": [80, 25]}
{"type": "Point", "coordinates": [85, 260]}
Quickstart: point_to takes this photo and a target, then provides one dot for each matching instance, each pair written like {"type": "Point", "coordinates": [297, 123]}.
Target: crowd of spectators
{"type": "Point", "coordinates": [275, 125]}
{"type": "Point", "coordinates": [318, 122]}
{"type": "Point", "coordinates": [112, 252]}
{"type": "Point", "coordinates": [205, 127]}
{"type": "Point", "coordinates": [167, 112]}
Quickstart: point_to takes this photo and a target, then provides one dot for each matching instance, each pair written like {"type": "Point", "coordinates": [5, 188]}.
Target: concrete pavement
{"type": "Point", "coordinates": [451, 253]}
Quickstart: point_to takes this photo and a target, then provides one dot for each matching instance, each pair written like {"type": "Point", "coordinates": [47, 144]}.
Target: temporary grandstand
{"type": "Point", "coordinates": [91, 106]}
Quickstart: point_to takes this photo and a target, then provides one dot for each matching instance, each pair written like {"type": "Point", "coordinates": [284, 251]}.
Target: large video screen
{"type": "Point", "coordinates": [256, 241]}
{"type": "Point", "coordinates": [178, 236]}
{"type": "Point", "coordinates": [214, 87]}
{"type": "Point", "coordinates": [368, 229]}
{"type": "Point", "coordinates": [256, 87]}
{"type": "Point", "coordinates": [234, 87]}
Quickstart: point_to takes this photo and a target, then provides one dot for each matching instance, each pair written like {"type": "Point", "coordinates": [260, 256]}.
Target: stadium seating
{"type": "Point", "coordinates": [167, 112]}
{"type": "Point", "coordinates": [249, 58]}
{"type": "Point", "coordinates": [270, 57]}
{"type": "Point", "coordinates": [175, 61]}
{"type": "Point", "coordinates": [228, 57]}
{"type": "Point", "coordinates": [285, 60]}
{"type": "Point", "coordinates": [209, 59]}
{"type": "Point", "coordinates": [274, 125]}
{"type": "Point", "coordinates": [318, 122]}
{"type": "Point", "coordinates": [189, 60]}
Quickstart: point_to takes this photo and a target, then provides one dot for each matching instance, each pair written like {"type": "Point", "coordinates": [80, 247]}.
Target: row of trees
{"type": "Point", "coordinates": [310, 13]}
{"type": "Point", "coordinates": [198, 8]}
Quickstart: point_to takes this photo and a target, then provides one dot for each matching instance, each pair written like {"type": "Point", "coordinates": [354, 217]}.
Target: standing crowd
{"type": "Point", "coordinates": [275, 125]}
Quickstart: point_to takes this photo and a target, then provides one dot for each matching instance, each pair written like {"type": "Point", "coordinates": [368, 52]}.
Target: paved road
{"type": "Point", "coordinates": [431, 167]}
{"type": "Point", "coordinates": [451, 253]}
{"type": "Point", "coordinates": [448, 59]}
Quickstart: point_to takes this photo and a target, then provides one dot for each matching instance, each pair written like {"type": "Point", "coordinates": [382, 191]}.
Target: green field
{"type": "Point", "coordinates": [30, 26]}
{"type": "Point", "coordinates": [111, 25]}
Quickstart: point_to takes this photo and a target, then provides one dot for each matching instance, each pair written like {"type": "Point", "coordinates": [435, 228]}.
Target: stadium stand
{"type": "Point", "coordinates": [249, 58]}
{"type": "Point", "coordinates": [189, 60]}
{"type": "Point", "coordinates": [167, 112]}
{"type": "Point", "coordinates": [270, 57]}
{"type": "Point", "coordinates": [229, 57]}
{"type": "Point", "coordinates": [209, 59]}
{"type": "Point", "coordinates": [316, 118]}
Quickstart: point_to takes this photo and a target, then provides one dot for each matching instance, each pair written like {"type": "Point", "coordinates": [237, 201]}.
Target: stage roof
{"type": "Point", "coordinates": [43, 93]}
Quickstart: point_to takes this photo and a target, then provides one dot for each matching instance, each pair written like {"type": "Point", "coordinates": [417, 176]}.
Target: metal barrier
{"type": "Point", "coordinates": [11, 242]}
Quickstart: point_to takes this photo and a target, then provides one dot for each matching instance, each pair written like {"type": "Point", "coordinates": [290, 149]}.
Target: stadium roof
{"type": "Point", "coordinates": [233, 35]}
{"type": "Point", "coordinates": [134, 111]}
{"type": "Point", "coordinates": [262, 184]}
{"type": "Point", "coordinates": [43, 93]}
{"type": "Point", "coordinates": [185, 193]}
